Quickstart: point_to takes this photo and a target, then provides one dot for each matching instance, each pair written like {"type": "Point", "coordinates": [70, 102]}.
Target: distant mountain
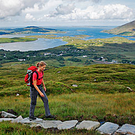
{"type": "Point", "coordinates": [3, 33]}
{"type": "Point", "coordinates": [125, 30]}
{"type": "Point", "coordinates": [26, 30]}
{"type": "Point", "coordinates": [33, 29]}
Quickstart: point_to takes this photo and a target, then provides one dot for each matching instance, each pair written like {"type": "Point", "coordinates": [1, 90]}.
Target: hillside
{"type": "Point", "coordinates": [77, 52]}
{"type": "Point", "coordinates": [124, 30]}
{"type": "Point", "coordinates": [97, 92]}
{"type": "Point", "coordinates": [114, 78]}
{"type": "Point", "coordinates": [74, 92]}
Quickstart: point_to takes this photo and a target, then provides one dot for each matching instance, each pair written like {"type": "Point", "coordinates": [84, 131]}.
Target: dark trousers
{"type": "Point", "coordinates": [33, 95]}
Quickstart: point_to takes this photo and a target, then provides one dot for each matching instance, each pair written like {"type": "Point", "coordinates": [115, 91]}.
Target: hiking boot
{"type": "Point", "coordinates": [50, 116]}
{"type": "Point", "coordinates": [32, 118]}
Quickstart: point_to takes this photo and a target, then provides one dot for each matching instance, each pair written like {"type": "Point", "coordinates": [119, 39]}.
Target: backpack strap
{"type": "Point", "coordinates": [36, 73]}
{"type": "Point", "coordinates": [32, 78]}
{"type": "Point", "coordinates": [37, 78]}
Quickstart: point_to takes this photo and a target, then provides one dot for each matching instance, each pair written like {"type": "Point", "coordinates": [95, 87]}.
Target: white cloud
{"type": "Point", "coordinates": [63, 10]}
{"type": "Point", "coordinates": [9, 8]}
{"type": "Point", "coordinates": [45, 8]}
{"type": "Point", "coordinates": [95, 1]}
{"type": "Point", "coordinates": [29, 17]}
{"type": "Point", "coordinates": [112, 11]}
{"type": "Point", "coordinates": [15, 7]}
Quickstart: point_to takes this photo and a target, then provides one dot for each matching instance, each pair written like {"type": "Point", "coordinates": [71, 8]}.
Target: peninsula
{"type": "Point", "coordinates": [127, 29]}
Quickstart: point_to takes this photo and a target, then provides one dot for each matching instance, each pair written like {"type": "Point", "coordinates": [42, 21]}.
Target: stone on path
{"type": "Point", "coordinates": [74, 85]}
{"type": "Point", "coordinates": [35, 125]}
{"type": "Point", "coordinates": [126, 129]}
{"type": "Point", "coordinates": [27, 121]}
{"type": "Point", "coordinates": [6, 119]}
{"type": "Point", "coordinates": [17, 120]}
{"type": "Point", "coordinates": [7, 115]}
{"type": "Point", "coordinates": [67, 124]}
{"type": "Point", "coordinates": [50, 123]}
{"type": "Point", "coordinates": [89, 125]}
{"type": "Point", "coordinates": [108, 128]}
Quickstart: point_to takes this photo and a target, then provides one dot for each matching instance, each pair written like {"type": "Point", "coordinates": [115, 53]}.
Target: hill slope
{"type": "Point", "coordinates": [125, 30]}
{"type": "Point", "coordinates": [114, 78]}
{"type": "Point", "coordinates": [96, 92]}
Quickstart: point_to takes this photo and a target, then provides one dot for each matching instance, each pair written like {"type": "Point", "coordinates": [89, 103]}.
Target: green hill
{"type": "Point", "coordinates": [114, 78]}
{"type": "Point", "coordinates": [96, 92]}
{"type": "Point", "coordinates": [125, 30]}
{"type": "Point", "coordinates": [26, 30]}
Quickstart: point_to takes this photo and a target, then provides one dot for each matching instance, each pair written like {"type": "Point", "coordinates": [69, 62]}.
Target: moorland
{"type": "Point", "coordinates": [77, 86]}
{"type": "Point", "coordinates": [98, 92]}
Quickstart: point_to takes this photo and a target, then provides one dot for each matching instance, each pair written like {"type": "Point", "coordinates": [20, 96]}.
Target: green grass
{"type": "Point", "coordinates": [68, 62]}
{"type": "Point", "coordinates": [114, 78]}
{"type": "Point", "coordinates": [16, 39]}
{"type": "Point", "coordinates": [94, 80]}
{"type": "Point", "coordinates": [80, 106]}
{"type": "Point", "coordinates": [18, 129]}
{"type": "Point", "coordinates": [101, 95]}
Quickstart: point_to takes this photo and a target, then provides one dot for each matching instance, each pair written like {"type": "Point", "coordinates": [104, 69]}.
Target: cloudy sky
{"type": "Point", "coordinates": [66, 12]}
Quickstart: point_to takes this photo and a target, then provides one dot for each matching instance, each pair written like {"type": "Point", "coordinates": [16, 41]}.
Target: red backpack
{"type": "Point", "coordinates": [28, 76]}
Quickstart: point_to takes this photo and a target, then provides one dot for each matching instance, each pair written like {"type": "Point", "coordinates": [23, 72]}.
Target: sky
{"type": "Point", "coordinates": [21, 13]}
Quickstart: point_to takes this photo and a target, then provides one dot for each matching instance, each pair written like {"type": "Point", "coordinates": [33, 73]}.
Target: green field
{"type": "Point", "coordinates": [116, 48]}
{"type": "Point", "coordinates": [101, 94]}
{"type": "Point", "coordinates": [16, 39]}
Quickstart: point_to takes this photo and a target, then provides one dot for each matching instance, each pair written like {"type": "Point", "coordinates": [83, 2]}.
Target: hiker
{"type": "Point", "coordinates": [38, 88]}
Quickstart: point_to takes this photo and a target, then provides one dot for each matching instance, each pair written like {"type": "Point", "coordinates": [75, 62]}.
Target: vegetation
{"type": "Point", "coordinates": [16, 39]}
{"type": "Point", "coordinates": [77, 87]}
{"type": "Point", "coordinates": [77, 52]}
{"type": "Point", "coordinates": [18, 129]}
{"type": "Point", "coordinates": [96, 92]}
{"type": "Point", "coordinates": [94, 79]}
{"type": "Point", "coordinates": [125, 30]}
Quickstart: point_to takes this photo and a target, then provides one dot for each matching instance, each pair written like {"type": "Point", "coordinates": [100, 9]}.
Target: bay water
{"type": "Point", "coordinates": [42, 43]}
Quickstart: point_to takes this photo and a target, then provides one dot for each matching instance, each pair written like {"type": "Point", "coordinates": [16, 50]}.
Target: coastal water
{"type": "Point", "coordinates": [41, 43]}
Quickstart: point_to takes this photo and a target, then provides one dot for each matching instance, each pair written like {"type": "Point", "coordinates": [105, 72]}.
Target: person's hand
{"type": "Point", "coordinates": [41, 94]}
{"type": "Point", "coordinates": [44, 88]}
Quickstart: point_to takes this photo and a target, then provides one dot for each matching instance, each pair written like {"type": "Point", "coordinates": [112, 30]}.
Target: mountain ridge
{"type": "Point", "coordinates": [127, 29]}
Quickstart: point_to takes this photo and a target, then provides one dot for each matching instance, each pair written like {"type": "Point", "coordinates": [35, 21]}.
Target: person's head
{"type": "Point", "coordinates": [41, 65]}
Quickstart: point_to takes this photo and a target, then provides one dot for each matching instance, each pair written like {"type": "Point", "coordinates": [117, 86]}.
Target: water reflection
{"type": "Point", "coordinates": [39, 44]}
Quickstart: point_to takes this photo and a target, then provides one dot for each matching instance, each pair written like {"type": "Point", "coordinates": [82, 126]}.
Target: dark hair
{"type": "Point", "coordinates": [41, 63]}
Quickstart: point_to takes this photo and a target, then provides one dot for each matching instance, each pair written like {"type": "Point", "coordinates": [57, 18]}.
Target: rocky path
{"type": "Point", "coordinates": [106, 128]}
